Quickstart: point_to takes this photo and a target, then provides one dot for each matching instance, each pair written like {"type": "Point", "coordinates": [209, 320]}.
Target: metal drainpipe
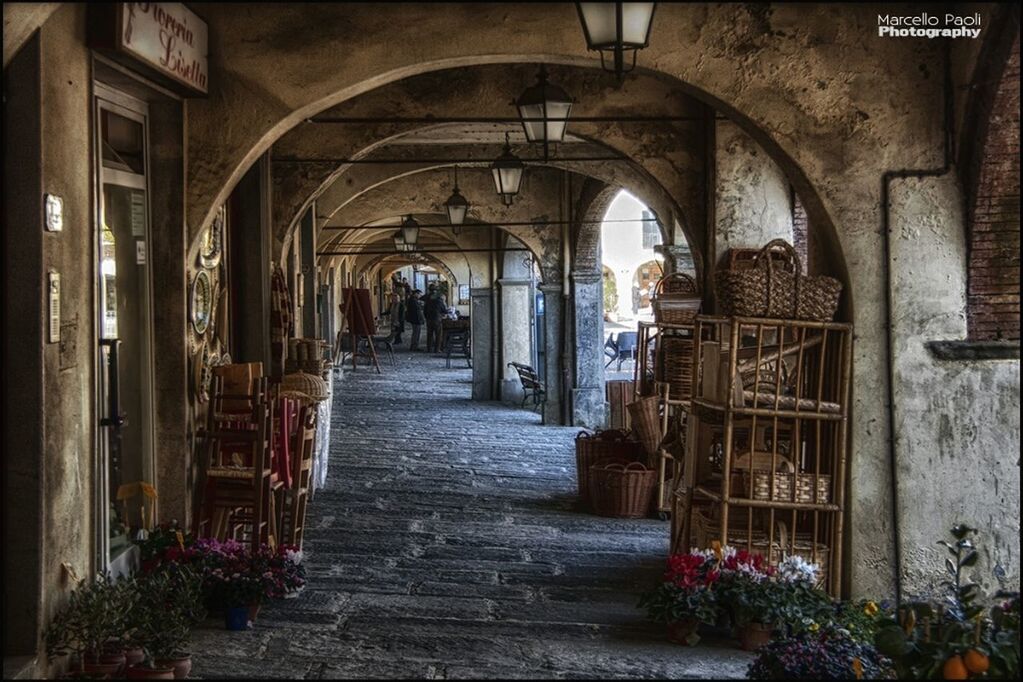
{"type": "Point", "coordinates": [497, 375]}
{"type": "Point", "coordinates": [566, 269]}
{"type": "Point", "coordinates": [889, 301]}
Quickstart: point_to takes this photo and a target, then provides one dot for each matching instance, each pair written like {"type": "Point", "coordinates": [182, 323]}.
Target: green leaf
{"type": "Point", "coordinates": [950, 567]}
{"type": "Point", "coordinates": [891, 641]}
{"type": "Point", "coordinates": [970, 559]}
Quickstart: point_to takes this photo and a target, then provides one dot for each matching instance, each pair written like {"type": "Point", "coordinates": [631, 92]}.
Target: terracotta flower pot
{"type": "Point", "coordinates": [138, 672]}
{"type": "Point", "coordinates": [684, 631]}
{"type": "Point", "coordinates": [104, 668]}
{"type": "Point", "coordinates": [134, 655]}
{"type": "Point", "coordinates": [752, 636]}
{"type": "Point", "coordinates": [254, 611]}
{"type": "Point", "coordinates": [182, 664]}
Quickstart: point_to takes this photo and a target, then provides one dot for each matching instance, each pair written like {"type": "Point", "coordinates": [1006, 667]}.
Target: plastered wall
{"type": "Point", "coordinates": [957, 421]}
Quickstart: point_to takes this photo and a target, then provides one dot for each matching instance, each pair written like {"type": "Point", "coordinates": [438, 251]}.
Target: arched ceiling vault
{"type": "Point", "coordinates": [664, 159]}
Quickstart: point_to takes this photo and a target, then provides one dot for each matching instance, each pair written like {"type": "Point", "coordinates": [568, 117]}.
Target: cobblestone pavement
{"type": "Point", "coordinates": [446, 545]}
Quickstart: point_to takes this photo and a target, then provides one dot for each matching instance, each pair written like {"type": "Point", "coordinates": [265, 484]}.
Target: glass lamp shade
{"type": "Point", "coordinates": [507, 170]}
{"type": "Point", "coordinates": [457, 206]}
{"type": "Point", "coordinates": [544, 110]}
{"type": "Point", "coordinates": [399, 241]}
{"type": "Point", "coordinates": [600, 24]}
{"type": "Point", "coordinates": [410, 233]}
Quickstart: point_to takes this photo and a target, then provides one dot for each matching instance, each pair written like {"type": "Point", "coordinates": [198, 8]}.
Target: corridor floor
{"type": "Point", "coordinates": [446, 545]}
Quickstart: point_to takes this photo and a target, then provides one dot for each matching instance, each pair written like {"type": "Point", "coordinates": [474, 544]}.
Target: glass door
{"type": "Point", "coordinates": [125, 469]}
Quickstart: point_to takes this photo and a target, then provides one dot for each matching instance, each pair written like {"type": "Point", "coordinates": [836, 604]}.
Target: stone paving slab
{"type": "Point", "coordinates": [449, 544]}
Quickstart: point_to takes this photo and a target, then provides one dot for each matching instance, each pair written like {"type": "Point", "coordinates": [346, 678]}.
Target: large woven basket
{"type": "Point", "coordinates": [777, 288]}
{"type": "Point", "coordinates": [676, 299]}
{"type": "Point", "coordinates": [646, 422]}
{"type": "Point", "coordinates": [706, 530]}
{"type": "Point", "coordinates": [590, 448]}
{"type": "Point", "coordinates": [622, 490]}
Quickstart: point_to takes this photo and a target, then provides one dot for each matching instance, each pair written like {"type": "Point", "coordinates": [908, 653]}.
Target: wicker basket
{"type": "Point", "coordinates": [645, 414]}
{"type": "Point", "coordinates": [705, 530]}
{"type": "Point", "coordinates": [676, 365]}
{"type": "Point", "coordinates": [310, 384]}
{"type": "Point", "coordinates": [785, 478]}
{"type": "Point", "coordinates": [590, 448]}
{"type": "Point", "coordinates": [622, 490]}
{"type": "Point", "coordinates": [676, 299]}
{"type": "Point", "coordinates": [777, 288]}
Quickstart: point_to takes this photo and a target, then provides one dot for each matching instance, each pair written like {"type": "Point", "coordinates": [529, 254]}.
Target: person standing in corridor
{"type": "Point", "coordinates": [397, 313]}
{"type": "Point", "coordinates": [435, 309]}
{"type": "Point", "coordinates": [414, 316]}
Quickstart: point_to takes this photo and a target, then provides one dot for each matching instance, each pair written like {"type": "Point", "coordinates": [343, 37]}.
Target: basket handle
{"type": "Point", "coordinates": [685, 278]}
{"type": "Point", "coordinates": [792, 258]}
{"type": "Point", "coordinates": [584, 434]}
{"type": "Point", "coordinates": [743, 462]}
{"type": "Point", "coordinates": [632, 466]}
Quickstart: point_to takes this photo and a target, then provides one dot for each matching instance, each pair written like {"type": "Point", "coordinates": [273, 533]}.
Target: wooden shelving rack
{"type": "Point", "coordinates": [673, 389]}
{"type": "Point", "coordinates": [766, 443]}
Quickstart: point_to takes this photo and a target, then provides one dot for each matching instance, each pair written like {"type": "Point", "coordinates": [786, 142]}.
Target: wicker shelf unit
{"type": "Point", "coordinates": [664, 368]}
{"type": "Point", "coordinates": [766, 443]}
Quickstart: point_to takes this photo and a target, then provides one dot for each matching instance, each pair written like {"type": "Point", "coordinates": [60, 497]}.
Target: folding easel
{"type": "Point", "coordinates": [356, 316]}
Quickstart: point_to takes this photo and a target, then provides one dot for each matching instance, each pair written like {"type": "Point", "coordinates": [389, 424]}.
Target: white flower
{"type": "Point", "coordinates": [294, 556]}
{"type": "Point", "coordinates": [795, 569]}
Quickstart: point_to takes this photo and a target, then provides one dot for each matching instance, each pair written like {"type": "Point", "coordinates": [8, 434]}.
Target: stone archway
{"type": "Point", "coordinates": [761, 66]}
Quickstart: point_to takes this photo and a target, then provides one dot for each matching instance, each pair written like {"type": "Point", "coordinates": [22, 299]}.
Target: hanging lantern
{"type": "Point", "coordinates": [507, 170]}
{"type": "Point", "coordinates": [614, 28]}
{"type": "Point", "coordinates": [544, 110]}
{"type": "Point", "coordinates": [457, 207]}
{"type": "Point", "coordinates": [399, 241]}
{"type": "Point", "coordinates": [410, 233]}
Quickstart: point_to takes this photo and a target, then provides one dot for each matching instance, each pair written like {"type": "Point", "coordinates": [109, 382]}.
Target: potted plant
{"type": "Point", "coordinates": [685, 598]}
{"type": "Point", "coordinates": [954, 636]}
{"type": "Point", "coordinates": [176, 591]}
{"type": "Point", "coordinates": [824, 653]}
{"type": "Point", "coordinates": [93, 616]}
{"type": "Point", "coordinates": [750, 595]}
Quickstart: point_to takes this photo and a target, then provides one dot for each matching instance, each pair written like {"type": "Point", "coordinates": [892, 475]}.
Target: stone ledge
{"type": "Point", "coordinates": [974, 350]}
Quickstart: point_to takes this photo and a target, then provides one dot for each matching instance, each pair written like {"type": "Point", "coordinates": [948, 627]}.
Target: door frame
{"type": "Point", "coordinates": [105, 97]}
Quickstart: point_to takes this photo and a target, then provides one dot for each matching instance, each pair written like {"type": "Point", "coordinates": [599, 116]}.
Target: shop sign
{"type": "Point", "coordinates": [169, 37]}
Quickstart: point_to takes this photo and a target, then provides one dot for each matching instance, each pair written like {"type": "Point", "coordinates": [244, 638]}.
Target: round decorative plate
{"type": "Point", "coordinates": [202, 302]}
{"type": "Point", "coordinates": [212, 246]}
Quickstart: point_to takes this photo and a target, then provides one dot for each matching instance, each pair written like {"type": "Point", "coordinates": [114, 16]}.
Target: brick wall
{"type": "Point", "coordinates": [993, 290]}
{"type": "Point", "coordinates": [800, 230]}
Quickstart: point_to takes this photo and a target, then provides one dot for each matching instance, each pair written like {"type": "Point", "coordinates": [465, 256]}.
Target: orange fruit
{"type": "Point", "coordinates": [976, 662]}
{"type": "Point", "coordinates": [954, 669]}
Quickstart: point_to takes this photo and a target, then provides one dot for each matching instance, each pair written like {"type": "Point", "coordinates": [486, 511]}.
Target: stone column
{"type": "Point", "coordinates": [516, 344]}
{"type": "Point", "coordinates": [482, 321]}
{"type": "Point", "coordinates": [589, 406]}
{"type": "Point", "coordinates": [553, 311]}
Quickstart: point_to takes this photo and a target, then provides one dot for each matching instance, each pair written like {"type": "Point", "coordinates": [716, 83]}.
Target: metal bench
{"type": "Point", "coordinates": [532, 387]}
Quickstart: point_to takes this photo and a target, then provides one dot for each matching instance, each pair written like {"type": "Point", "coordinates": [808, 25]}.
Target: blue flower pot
{"type": "Point", "coordinates": [237, 618]}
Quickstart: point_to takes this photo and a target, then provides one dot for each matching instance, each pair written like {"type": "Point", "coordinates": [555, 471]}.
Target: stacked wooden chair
{"type": "Point", "coordinates": [236, 479]}
{"type": "Point", "coordinates": [296, 498]}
